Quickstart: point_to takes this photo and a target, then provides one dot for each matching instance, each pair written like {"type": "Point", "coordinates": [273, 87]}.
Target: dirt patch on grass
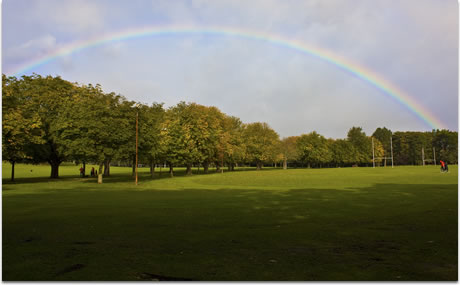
{"type": "Point", "coordinates": [83, 242]}
{"type": "Point", "coordinates": [154, 277]}
{"type": "Point", "coordinates": [71, 268]}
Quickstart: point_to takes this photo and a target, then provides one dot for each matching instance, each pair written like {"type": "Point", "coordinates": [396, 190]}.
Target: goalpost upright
{"type": "Point", "coordinates": [383, 157]}
{"type": "Point", "coordinates": [423, 157]}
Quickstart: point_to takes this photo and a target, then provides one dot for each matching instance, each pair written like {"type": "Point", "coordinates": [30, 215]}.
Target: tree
{"type": "Point", "coordinates": [191, 134]}
{"type": "Point", "coordinates": [361, 144]}
{"type": "Point", "coordinates": [343, 152]}
{"type": "Point", "coordinates": [378, 151]}
{"type": "Point", "coordinates": [446, 145]}
{"type": "Point", "coordinates": [232, 139]}
{"type": "Point", "coordinates": [150, 147]}
{"type": "Point", "coordinates": [384, 136]}
{"type": "Point", "coordinates": [313, 149]}
{"type": "Point", "coordinates": [260, 142]}
{"type": "Point", "coordinates": [215, 141]}
{"type": "Point", "coordinates": [289, 150]}
{"type": "Point", "coordinates": [20, 127]}
{"type": "Point", "coordinates": [96, 127]}
{"type": "Point", "coordinates": [47, 97]}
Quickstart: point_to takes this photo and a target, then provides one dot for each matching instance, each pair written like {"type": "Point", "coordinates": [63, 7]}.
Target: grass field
{"type": "Point", "coordinates": [296, 224]}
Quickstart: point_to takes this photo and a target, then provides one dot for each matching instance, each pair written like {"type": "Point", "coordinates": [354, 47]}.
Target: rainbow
{"type": "Point", "coordinates": [344, 64]}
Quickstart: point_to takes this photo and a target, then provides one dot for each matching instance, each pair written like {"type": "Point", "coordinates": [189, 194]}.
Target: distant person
{"type": "Point", "coordinates": [443, 166]}
{"type": "Point", "coordinates": [92, 172]}
{"type": "Point", "coordinates": [81, 171]}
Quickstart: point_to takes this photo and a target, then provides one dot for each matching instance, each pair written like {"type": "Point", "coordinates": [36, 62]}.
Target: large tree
{"type": "Point", "coordinates": [215, 140]}
{"type": "Point", "coordinates": [261, 143]}
{"type": "Point", "coordinates": [191, 133]}
{"type": "Point", "coordinates": [362, 145]}
{"type": "Point", "coordinates": [48, 97]}
{"type": "Point", "coordinates": [313, 149]}
{"type": "Point", "coordinates": [289, 150]}
{"type": "Point", "coordinates": [446, 144]}
{"type": "Point", "coordinates": [232, 139]}
{"type": "Point", "coordinates": [384, 135]}
{"type": "Point", "coordinates": [20, 126]}
{"type": "Point", "coordinates": [98, 126]}
{"type": "Point", "coordinates": [150, 147]}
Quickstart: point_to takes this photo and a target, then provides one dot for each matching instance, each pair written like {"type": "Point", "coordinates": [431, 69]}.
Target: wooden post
{"type": "Point", "coordinates": [373, 155]}
{"type": "Point", "coordinates": [391, 145]}
{"type": "Point", "coordinates": [137, 119]}
{"type": "Point", "coordinates": [423, 157]}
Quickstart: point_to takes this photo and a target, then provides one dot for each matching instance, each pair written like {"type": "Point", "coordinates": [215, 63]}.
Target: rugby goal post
{"type": "Point", "coordinates": [429, 159]}
{"type": "Point", "coordinates": [382, 157]}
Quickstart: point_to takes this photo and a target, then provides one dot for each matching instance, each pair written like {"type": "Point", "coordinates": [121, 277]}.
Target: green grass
{"type": "Point", "coordinates": [298, 224]}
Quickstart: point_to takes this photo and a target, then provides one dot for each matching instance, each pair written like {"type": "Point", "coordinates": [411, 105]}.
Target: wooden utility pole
{"type": "Point", "coordinates": [391, 145]}
{"type": "Point", "coordinates": [373, 155]}
{"type": "Point", "coordinates": [423, 157]}
{"type": "Point", "coordinates": [137, 122]}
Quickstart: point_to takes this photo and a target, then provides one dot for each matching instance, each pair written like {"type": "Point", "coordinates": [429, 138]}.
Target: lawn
{"type": "Point", "coordinates": [274, 224]}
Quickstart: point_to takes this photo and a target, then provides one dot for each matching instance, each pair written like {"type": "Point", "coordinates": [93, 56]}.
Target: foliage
{"type": "Point", "coordinates": [362, 145]}
{"type": "Point", "coordinates": [446, 144]}
{"type": "Point", "coordinates": [289, 150]}
{"type": "Point", "coordinates": [48, 119]}
{"type": "Point", "coordinates": [20, 127]}
{"type": "Point", "coordinates": [261, 143]}
{"type": "Point", "coordinates": [313, 149]}
{"type": "Point", "coordinates": [384, 136]}
{"type": "Point", "coordinates": [343, 152]}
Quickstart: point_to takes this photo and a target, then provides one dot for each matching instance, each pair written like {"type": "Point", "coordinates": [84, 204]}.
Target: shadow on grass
{"type": "Point", "coordinates": [383, 232]}
{"type": "Point", "coordinates": [127, 177]}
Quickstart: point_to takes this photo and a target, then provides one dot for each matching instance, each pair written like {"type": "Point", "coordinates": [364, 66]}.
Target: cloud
{"type": "Point", "coordinates": [413, 44]}
{"type": "Point", "coordinates": [31, 48]}
{"type": "Point", "coordinates": [75, 17]}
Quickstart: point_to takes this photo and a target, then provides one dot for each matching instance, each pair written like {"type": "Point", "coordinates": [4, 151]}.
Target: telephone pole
{"type": "Point", "coordinates": [137, 122]}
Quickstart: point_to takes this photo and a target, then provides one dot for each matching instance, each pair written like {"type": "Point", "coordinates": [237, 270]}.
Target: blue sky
{"type": "Point", "coordinates": [413, 44]}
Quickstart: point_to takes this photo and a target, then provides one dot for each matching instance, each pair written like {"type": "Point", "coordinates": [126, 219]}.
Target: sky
{"type": "Point", "coordinates": [411, 44]}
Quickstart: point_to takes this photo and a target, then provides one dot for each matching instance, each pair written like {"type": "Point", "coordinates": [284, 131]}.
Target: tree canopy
{"type": "Point", "coordinates": [48, 119]}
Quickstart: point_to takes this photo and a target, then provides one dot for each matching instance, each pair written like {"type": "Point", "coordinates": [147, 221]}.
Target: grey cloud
{"type": "Point", "coordinates": [412, 44]}
{"type": "Point", "coordinates": [31, 48]}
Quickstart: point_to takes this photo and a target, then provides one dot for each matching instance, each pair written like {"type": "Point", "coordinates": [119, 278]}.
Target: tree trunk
{"type": "Point", "coordinates": [217, 167]}
{"type": "Point", "coordinates": [107, 168]}
{"type": "Point", "coordinates": [189, 169]}
{"type": "Point", "coordinates": [205, 167]}
{"type": "Point", "coordinates": [285, 163]}
{"type": "Point", "coordinates": [12, 170]}
{"type": "Point", "coordinates": [259, 165]}
{"type": "Point", "coordinates": [233, 167]}
{"type": "Point", "coordinates": [84, 169]}
{"type": "Point", "coordinates": [171, 171]}
{"type": "Point", "coordinates": [54, 168]}
{"type": "Point", "coordinates": [152, 169]}
{"type": "Point", "coordinates": [99, 176]}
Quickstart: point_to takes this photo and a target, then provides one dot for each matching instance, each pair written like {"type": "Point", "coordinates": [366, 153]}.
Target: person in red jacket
{"type": "Point", "coordinates": [443, 166]}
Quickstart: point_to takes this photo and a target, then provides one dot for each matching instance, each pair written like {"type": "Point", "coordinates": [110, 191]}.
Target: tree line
{"type": "Point", "coordinates": [49, 119]}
